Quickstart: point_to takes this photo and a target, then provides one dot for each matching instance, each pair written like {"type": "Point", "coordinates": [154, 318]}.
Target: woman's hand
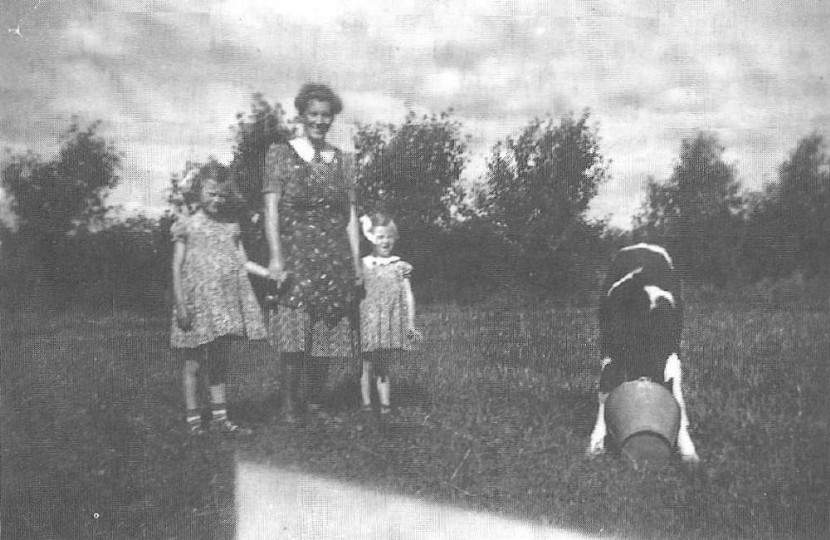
{"type": "Point", "coordinates": [276, 271]}
{"type": "Point", "coordinates": [183, 318]}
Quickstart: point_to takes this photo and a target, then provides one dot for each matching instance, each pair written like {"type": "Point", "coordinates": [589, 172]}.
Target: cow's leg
{"type": "Point", "coordinates": [597, 443]}
{"type": "Point", "coordinates": [673, 373]}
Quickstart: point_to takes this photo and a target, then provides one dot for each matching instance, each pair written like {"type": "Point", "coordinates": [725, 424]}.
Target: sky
{"type": "Point", "coordinates": [168, 77]}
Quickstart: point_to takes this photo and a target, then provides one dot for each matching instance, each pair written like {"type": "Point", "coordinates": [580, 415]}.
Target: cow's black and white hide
{"type": "Point", "coordinates": [640, 321]}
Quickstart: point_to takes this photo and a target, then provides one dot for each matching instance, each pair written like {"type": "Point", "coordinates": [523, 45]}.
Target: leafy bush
{"type": "Point", "coordinates": [696, 212]}
{"type": "Point", "coordinates": [127, 260]}
{"type": "Point", "coordinates": [465, 263]}
{"type": "Point", "coordinates": [540, 185]}
{"type": "Point", "coordinates": [788, 225]}
{"type": "Point", "coordinates": [409, 170]}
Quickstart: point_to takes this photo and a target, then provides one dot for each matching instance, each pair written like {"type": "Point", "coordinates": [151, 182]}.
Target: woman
{"type": "Point", "coordinates": [312, 232]}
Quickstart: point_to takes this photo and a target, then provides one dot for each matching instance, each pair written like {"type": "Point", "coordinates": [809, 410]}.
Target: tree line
{"type": "Point", "coordinates": [524, 222]}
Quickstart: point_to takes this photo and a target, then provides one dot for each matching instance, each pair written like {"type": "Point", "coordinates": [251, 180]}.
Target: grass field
{"type": "Point", "coordinates": [494, 414]}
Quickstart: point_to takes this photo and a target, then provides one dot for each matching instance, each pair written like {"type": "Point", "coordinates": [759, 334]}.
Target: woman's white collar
{"type": "Point", "coordinates": [374, 260]}
{"type": "Point", "coordinates": [306, 151]}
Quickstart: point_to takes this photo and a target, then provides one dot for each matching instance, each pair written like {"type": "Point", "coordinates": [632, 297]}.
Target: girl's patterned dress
{"type": "Point", "coordinates": [314, 210]}
{"type": "Point", "coordinates": [217, 291]}
{"type": "Point", "coordinates": [383, 313]}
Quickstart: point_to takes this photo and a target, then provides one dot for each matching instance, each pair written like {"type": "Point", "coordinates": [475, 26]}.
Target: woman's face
{"type": "Point", "coordinates": [317, 119]}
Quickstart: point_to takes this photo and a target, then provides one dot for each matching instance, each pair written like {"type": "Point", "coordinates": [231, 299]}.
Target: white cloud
{"type": "Point", "coordinates": [168, 81]}
{"type": "Point", "coordinates": [445, 82]}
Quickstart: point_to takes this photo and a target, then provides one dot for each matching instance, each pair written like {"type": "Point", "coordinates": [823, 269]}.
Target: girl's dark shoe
{"type": "Point", "coordinates": [226, 426]}
{"type": "Point", "coordinates": [195, 428]}
{"type": "Point", "coordinates": [291, 418]}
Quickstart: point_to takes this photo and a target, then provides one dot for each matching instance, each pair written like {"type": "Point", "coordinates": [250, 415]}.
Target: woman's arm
{"type": "Point", "coordinates": [179, 256]}
{"type": "Point", "coordinates": [353, 228]}
{"type": "Point", "coordinates": [354, 241]}
{"type": "Point", "coordinates": [276, 270]}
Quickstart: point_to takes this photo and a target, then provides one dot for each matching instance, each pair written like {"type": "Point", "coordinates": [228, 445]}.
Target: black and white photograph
{"type": "Point", "coordinates": [439, 269]}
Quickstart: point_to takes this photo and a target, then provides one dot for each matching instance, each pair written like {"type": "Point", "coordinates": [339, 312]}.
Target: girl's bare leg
{"type": "Point", "coordinates": [190, 384]}
{"type": "Point", "coordinates": [384, 391]}
{"type": "Point", "coordinates": [366, 383]}
{"type": "Point", "coordinates": [383, 384]}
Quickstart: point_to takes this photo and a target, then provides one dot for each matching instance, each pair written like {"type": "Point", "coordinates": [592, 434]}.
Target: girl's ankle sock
{"type": "Point", "coordinates": [194, 419]}
{"type": "Point", "coordinates": [221, 422]}
{"type": "Point", "coordinates": [220, 412]}
{"type": "Point", "coordinates": [194, 416]}
{"type": "Point", "coordinates": [384, 392]}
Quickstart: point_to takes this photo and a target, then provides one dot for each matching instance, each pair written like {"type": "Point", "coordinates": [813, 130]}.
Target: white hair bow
{"type": "Point", "coordinates": [186, 182]}
{"type": "Point", "coordinates": [185, 186]}
{"type": "Point", "coordinates": [366, 227]}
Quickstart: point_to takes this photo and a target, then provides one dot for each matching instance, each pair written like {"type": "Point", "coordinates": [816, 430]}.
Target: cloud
{"type": "Point", "coordinates": [168, 77]}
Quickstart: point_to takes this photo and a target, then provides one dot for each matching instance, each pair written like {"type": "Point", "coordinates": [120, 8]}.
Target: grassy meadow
{"type": "Point", "coordinates": [494, 413]}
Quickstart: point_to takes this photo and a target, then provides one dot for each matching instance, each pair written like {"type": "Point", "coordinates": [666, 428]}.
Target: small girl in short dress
{"type": "Point", "coordinates": [387, 313]}
{"type": "Point", "coordinates": [214, 300]}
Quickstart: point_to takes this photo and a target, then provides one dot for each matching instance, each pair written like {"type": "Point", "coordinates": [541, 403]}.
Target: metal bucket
{"type": "Point", "coordinates": [643, 418]}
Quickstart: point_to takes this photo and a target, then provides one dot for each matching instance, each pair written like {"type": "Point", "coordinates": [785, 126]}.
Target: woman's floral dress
{"type": "Point", "coordinates": [383, 312]}
{"type": "Point", "coordinates": [313, 307]}
{"type": "Point", "coordinates": [218, 294]}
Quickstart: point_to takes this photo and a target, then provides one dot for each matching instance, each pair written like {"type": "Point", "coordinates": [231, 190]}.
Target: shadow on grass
{"type": "Point", "coordinates": [255, 412]}
{"type": "Point", "coordinates": [341, 395]}
{"type": "Point", "coordinates": [345, 395]}
{"type": "Point", "coordinates": [94, 445]}
{"type": "Point", "coordinates": [109, 473]}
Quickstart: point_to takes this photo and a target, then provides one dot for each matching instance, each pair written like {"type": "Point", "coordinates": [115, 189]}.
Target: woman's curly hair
{"type": "Point", "coordinates": [320, 92]}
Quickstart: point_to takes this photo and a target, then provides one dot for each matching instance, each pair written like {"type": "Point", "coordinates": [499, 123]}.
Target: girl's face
{"type": "Point", "coordinates": [211, 197]}
{"type": "Point", "coordinates": [317, 119]}
{"type": "Point", "coordinates": [385, 240]}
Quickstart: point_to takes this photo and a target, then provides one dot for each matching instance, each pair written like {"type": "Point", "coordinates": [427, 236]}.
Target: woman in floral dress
{"type": "Point", "coordinates": [312, 234]}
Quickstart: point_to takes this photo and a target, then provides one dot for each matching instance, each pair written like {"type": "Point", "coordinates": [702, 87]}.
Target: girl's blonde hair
{"type": "Point", "coordinates": [377, 219]}
{"type": "Point", "coordinates": [211, 170]}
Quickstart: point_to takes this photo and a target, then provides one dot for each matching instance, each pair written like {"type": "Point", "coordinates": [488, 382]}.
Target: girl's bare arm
{"type": "Point", "coordinates": [409, 298]}
{"type": "Point", "coordinates": [250, 266]}
{"type": "Point", "coordinates": [179, 256]}
{"type": "Point", "coordinates": [257, 269]}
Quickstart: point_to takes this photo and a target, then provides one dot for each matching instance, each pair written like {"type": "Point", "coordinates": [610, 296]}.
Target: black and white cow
{"type": "Point", "coordinates": [640, 321]}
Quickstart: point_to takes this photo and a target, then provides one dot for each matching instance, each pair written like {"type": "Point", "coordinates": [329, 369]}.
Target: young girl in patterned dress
{"type": "Point", "coordinates": [387, 313]}
{"type": "Point", "coordinates": [214, 300]}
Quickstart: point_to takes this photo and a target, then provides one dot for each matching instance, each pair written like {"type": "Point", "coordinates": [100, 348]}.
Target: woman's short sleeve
{"type": "Point", "coordinates": [178, 230]}
{"type": "Point", "coordinates": [276, 168]}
